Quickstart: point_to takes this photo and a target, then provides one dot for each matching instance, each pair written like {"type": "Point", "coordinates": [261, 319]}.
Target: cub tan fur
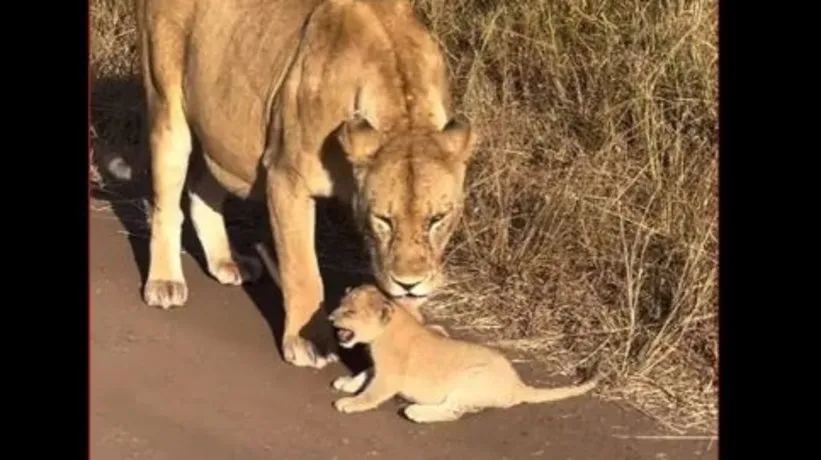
{"type": "Point", "coordinates": [445, 378]}
{"type": "Point", "coordinates": [292, 100]}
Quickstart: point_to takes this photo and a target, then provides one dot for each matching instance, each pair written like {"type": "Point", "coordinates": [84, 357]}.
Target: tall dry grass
{"type": "Point", "coordinates": [592, 215]}
{"type": "Point", "coordinates": [590, 229]}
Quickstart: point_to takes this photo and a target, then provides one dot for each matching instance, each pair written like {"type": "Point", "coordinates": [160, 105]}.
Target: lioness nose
{"type": "Point", "coordinates": [406, 284]}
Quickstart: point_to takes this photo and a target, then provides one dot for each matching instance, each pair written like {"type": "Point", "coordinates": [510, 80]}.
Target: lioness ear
{"type": "Point", "coordinates": [358, 139]}
{"type": "Point", "coordinates": [457, 138]}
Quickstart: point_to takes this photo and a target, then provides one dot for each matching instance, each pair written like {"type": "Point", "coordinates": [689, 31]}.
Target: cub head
{"type": "Point", "coordinates": [408, 201]}
{"type": "Point", "coordinates": [361, 316]}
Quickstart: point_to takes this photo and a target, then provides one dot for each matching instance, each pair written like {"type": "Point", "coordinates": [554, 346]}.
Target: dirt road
{"type": "Point", "coordinates": [206, 382]}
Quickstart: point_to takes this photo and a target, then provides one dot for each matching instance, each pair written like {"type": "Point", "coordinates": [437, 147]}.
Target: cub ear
{"type": "Point", "coordinates": [358, 139]}
{"type": "Point", "coordinates": [458, 138]}
{"type": "Point", "coordinates": [385, 312]}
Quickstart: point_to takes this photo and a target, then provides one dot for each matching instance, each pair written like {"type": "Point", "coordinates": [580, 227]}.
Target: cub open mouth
{"type": "Point", "coordinates": [344, 335]}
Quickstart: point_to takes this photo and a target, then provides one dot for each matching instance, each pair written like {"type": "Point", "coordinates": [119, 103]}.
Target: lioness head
{"type": "Point", "coordinates": [361, 316]}
{"type": "Point", "coordinates": [408, 200]}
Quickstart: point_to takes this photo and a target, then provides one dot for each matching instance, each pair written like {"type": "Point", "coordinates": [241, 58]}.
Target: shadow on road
{"type": "Point", "coordinates": [118, 119]}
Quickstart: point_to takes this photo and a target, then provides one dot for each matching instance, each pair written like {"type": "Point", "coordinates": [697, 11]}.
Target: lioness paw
{"type": "Point", "coordinates": [302, 353]}
{"type": "Point", "coordinates": [165, 293]}
{"type": "Point", "coordinates": [241, 269]}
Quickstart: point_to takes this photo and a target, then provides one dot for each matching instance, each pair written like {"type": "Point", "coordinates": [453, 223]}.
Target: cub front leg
{"type": "Point", "coordinates": [351, 384]}
{"type": "Point", "coordinates": [379, 391]}
{"type": "Point", "coordinates": [292, 212]}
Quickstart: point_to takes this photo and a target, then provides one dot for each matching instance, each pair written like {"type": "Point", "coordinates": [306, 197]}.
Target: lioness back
{"type": "Point", "coordinates": [239, 56]}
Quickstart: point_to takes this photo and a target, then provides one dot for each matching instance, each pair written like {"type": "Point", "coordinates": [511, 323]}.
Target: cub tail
{"type": "Point", "coordinates": [532, 395]}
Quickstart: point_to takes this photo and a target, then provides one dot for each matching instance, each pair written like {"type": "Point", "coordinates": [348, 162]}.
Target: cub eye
{"type": "Point", "coordinates": [435, 219]}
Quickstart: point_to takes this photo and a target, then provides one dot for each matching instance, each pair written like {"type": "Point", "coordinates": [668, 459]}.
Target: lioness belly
{"type": "Point", "coordinates": [239, 54]}
{"type": "Point", "coordinates": [235, 185]}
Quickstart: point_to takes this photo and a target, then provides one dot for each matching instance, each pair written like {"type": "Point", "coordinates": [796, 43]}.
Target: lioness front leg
{"type": "Point", "coordinates": [170, 149]}
{"type": "Point", "coordinates": [228, 267]}
{"type": "Point", "coordinates": [375, 394]}
{"type": "Point", "coordinates": [293, 212]}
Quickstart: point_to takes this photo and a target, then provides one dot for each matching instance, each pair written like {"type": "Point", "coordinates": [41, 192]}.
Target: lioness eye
{"type": "Point", "coordinates": [383, 221]}
{"type": "Point", "coordinates": [435, 219]}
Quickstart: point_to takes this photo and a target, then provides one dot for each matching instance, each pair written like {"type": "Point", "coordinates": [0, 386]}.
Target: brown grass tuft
{"type": "Point", "coordinates": [590, 230]}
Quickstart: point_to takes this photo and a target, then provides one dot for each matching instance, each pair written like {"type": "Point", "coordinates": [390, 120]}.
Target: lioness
{"type": "Point", "coordinates": [293, 100]}
{"type": "Point", "coordinates": [445, 378]}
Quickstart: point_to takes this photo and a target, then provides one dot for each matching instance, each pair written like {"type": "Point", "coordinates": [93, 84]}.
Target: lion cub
{"type": "Point", "coordinates": [443, 377]}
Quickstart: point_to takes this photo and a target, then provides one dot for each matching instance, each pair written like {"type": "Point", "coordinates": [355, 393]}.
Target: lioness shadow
{"type": "Point", "coordinates": [117, 116]}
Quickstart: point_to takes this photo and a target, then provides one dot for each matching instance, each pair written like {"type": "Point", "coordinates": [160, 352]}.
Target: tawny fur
{"type": "Point", "coordinates": [271, 266]}
{"type": "Point", "coordinates": [444, 378]}
{"type": "Point", "coordinates": [292, 100]}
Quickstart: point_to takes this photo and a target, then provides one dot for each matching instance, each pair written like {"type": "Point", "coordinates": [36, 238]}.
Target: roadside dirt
{"type": "Point", "coordinates": [207, 382]}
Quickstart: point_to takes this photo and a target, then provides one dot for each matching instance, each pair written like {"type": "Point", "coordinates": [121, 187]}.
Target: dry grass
{"type": "Point", "coordinates": [590, 231]}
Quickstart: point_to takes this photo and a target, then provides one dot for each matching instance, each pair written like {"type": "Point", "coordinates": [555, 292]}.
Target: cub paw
{"type": "Point", "coordinates": [412, 413]}
{"type": "Point", "coordinates": [346, 405]}
{"type": "Point", "coordinates": [422, 414]}
{"type": "Point", "coordinates": [346, 384]}
{"type": "Point", "coordinates": [340, 383]}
